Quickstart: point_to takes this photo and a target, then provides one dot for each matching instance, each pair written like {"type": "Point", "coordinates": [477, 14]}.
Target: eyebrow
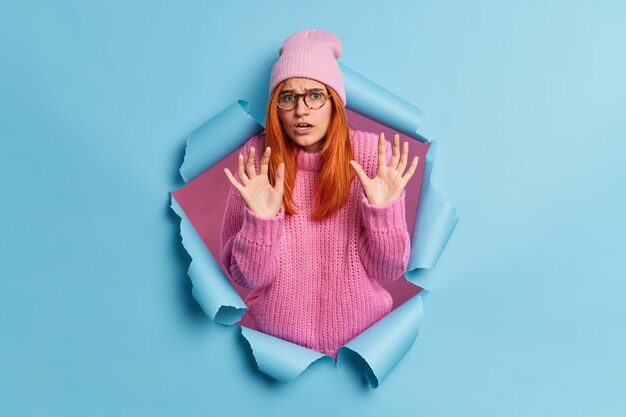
{"type": "Point", "coordinates": [306, 89]}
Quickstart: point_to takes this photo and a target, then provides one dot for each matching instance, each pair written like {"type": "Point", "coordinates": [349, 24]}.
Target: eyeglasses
{"type": "Point", "coordinates": [313, 100]}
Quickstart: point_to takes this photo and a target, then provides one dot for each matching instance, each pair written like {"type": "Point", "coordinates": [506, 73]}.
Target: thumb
{"type": "Point", "coordinates": [279, 184]}
{"type": "Point", "coordinates": [359, 171]}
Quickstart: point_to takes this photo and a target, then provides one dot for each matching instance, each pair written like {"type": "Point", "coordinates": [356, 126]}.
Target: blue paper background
{"type": "Point", "coordinates": [527, 101]}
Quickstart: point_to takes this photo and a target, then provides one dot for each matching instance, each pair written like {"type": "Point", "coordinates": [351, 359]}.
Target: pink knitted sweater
{"type": "Point", "coordinates": [316, 282]}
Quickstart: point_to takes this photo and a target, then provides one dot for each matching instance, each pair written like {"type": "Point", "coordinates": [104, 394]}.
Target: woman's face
{"type": "Point", "coordinates": [306, 127]}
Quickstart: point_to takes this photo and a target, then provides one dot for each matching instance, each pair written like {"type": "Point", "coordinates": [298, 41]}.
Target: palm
{"type": "Point", "coordinates": [260, 196]}
{"type": "Point", "coordinates": [390, 181]}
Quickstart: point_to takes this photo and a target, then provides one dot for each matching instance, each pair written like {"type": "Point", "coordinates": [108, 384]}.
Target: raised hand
{"type": "Point", "coordinates": [391, 180]}
{"type": "Point", "coordinates": [256, 190]}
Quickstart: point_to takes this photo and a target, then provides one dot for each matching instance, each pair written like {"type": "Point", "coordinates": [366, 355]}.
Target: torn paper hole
{"type": "Point", "coordinates": [200, 204]}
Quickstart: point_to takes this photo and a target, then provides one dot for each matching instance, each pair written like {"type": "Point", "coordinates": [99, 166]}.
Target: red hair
{"type": "Point", "coordinates": [335, 175]}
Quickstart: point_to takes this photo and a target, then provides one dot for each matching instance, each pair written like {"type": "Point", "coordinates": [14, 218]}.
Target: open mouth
{"type": "Point", "coordinates": [302, 127]}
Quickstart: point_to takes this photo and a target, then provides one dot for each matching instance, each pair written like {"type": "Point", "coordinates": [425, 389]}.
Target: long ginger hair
{"type": "Point", "coordinates": [335, 175]}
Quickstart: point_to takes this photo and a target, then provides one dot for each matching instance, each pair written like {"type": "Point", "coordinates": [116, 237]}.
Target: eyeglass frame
{"type": "Point", "coordinates": [297, 96]}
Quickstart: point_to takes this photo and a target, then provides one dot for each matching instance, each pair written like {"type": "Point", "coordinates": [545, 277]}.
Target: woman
{"type": "Point", "coordinates": [312, 241]}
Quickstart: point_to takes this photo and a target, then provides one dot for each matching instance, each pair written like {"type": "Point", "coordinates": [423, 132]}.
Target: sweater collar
{"type": "Point", "coordinates": [309, 161]}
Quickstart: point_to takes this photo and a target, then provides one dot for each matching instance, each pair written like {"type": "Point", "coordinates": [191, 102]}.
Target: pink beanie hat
{"type": "Point", "coordinates": [310, 54]}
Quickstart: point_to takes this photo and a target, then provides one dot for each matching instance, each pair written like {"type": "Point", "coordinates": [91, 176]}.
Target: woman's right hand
{"type": "Point", "coordinates": [260, 197]}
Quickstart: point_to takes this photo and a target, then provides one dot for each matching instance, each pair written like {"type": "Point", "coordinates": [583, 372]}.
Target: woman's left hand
{"type": "Point", "coordinates": [391, 180]}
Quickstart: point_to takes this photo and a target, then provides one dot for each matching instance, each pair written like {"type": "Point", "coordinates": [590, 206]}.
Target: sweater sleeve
{"type": "Point", "coordinates": [249, 242]}
{"type": "Point", "coordinates": [385, 244]}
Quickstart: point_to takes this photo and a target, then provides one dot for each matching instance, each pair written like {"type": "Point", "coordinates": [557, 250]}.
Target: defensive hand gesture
{"type": "Point", "coordinates": [389, 181]}
{"type": "Point", "coordinates": [256, 190]}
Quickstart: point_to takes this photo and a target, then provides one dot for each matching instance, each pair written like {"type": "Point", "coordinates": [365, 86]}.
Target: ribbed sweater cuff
{"type": "Point", "coordinates": [262, 230]}
{"type": "Point", "coordinates": [386, 219]}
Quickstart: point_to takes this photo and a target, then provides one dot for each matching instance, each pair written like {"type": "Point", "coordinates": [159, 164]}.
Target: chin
{"type": "Point", "coordinates": [306, 143]}
{"type": "Point", "coordinates": [305, 140]}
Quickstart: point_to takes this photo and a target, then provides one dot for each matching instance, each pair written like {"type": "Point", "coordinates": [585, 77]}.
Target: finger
{"type": "Point", "coordinates": [382, 153]}
{"type": "Point", "coordinates": [279, 184]}
{"type": "Point", "coordinates": [395, 152]}
{"type": "Point", "coordinates": [250, 170]}
{"type": "Point", "coordinates": [232, 180]}
{"type": "Point", "coordinates": [359, 172]}
{"type": "Point", "coordinates": [265, 160]}
{"type": "Point", "coordinates": [405, 156]}
{"type": "Point", "coordinates": [411, 170]}
{"type": "Point", "coordinates": [242, 175]}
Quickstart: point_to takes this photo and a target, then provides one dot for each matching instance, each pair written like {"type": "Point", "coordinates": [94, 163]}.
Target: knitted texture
{"type": "Point", "coordinates": [316, 282]}
{"type": "Point", "coordinates": [310, 54]}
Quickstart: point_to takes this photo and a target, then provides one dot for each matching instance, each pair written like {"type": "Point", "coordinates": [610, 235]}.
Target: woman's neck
{"type": "Point", "coordinates": [315, 148]}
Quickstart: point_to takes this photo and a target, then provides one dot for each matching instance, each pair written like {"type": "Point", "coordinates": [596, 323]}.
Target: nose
{"type": "Point", "coordinates": [301, 107]}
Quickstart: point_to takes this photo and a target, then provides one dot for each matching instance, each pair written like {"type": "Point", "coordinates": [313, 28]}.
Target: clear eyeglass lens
{"type": "Point", "coordinates": [286, 101]}
{"type": "Point", "coordinates": [313, 100]}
